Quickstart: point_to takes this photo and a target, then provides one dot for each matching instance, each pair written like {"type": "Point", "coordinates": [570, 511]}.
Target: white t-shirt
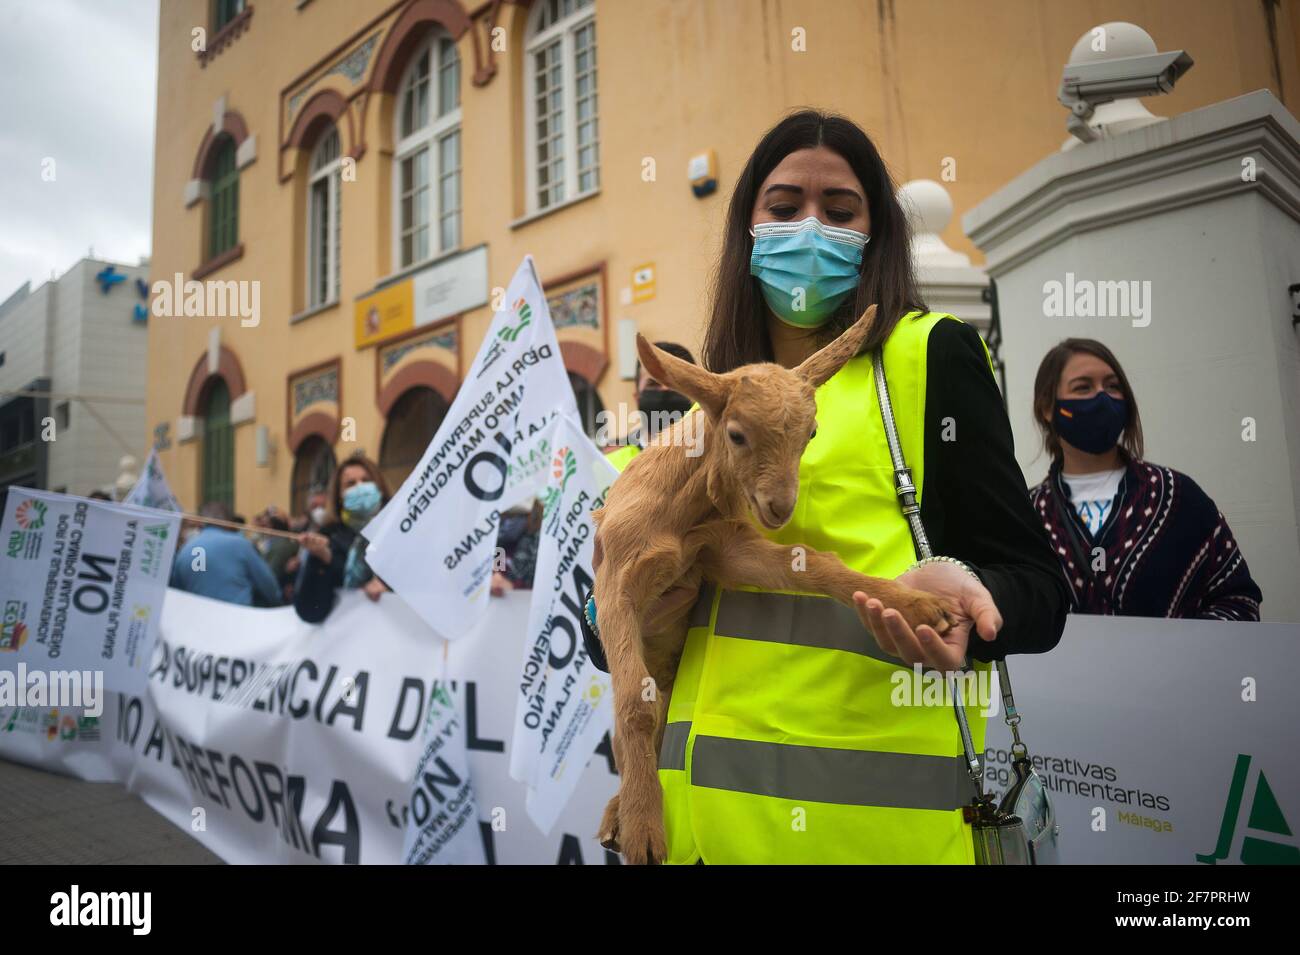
{"type": "Point", "coordinates": [1093, 495]}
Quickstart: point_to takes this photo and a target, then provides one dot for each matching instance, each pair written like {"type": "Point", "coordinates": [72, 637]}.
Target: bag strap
{"type": "Point", "coordinates": [906, 490]}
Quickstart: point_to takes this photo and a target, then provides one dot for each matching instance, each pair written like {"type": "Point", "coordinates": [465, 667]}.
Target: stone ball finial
{"type": "Point", "coordinates": [929, 207]}
{"type": "Point", "coordinates": [928, 204]}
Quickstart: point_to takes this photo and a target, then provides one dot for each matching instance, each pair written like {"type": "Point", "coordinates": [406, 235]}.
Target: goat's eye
{"type": "Point", "coordinates": [736, 437]}
{"type": "Point", "coordinates": [813, 435]}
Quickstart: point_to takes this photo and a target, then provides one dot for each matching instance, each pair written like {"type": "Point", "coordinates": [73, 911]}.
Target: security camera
{"type": "Point", "coordinates": [1085, 86]}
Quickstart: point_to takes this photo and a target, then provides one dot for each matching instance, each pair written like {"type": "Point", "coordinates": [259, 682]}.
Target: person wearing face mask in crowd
{"type": "Point", "coordinates": [784, 699]}
{"type": "Point", "coordinates": [1133, 538]}
{"type": "Point", "coordinates": [517, 542]}
{"type": "Point", "coordinates": [317, 509]}
{"type": "Point", "coordinates": [659, 407]}
{"type": "Point", "coordinates": [336, 555]}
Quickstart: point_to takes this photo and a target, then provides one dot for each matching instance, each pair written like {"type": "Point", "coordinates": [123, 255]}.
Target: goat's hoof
{"type": "Point", "coordinates": [608, 832]}
{"type": "Point", "coordinates": [643, 842]}
{"type": "Point", "coordinates": [923, 608]}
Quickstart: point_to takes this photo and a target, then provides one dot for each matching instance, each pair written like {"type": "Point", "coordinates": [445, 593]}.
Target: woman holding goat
{"type": "Point", "coordinates": [782, 740]}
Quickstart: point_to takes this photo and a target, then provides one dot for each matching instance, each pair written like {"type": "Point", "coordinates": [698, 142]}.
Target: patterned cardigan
{"type": "Point", "coordinates": [1164, 551]}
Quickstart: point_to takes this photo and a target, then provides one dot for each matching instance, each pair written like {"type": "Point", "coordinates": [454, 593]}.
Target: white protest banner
{"type": "Point", "coordinates": [275, 741]}
{"type": "Point", "coordinates": [152, 489]}
{"type": "Point", "coordinates": [81, 587]}
{"type": "Point", "coordinates": [1163, 741]}
{"type": "Point", "coordinates": [435, 542]}
{"type": "Point", "coordinates": [442, 825]}
{"type": "Point", "coordinates": [564, 704]}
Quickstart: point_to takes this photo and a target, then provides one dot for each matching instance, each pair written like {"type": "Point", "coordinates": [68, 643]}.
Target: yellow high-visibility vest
{"type": "Point", "coordinates": [783, 743]}
{"type": "Point", "coordinates": [623, 456]}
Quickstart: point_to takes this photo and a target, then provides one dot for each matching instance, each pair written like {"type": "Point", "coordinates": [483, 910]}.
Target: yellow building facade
{"type": "Point", "coordinates": [351, 184]}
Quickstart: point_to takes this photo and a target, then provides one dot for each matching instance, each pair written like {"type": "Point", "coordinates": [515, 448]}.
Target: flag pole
{"type": "Point", "coordinates": [231, 525]}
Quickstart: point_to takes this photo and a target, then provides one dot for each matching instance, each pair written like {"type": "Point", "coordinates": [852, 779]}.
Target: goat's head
{"type": "Point", "coordinates": [763, 415]}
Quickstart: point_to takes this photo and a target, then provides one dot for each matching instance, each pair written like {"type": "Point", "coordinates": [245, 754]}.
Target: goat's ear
{"type": "Point", "coordinates": [694, 382]}
{"type": "Point", "coordinates": [818, 367]}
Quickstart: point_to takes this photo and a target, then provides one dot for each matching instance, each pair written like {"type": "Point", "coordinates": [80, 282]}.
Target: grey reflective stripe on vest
{"type": "Point", "coordinates": [796, 619]}
{"type": "Point", "coordinates": [845, 777]}
{"type": "Point", "coordinates": [672, 754]}
{"type": "Point", "coordinates": [702, 610]}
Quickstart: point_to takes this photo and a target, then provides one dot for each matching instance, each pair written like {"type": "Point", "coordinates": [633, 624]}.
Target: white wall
{"type": "Point", "coordinates": [1167, 205]}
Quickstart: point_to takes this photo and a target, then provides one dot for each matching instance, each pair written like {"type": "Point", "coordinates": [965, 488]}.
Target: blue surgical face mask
{"type": "Point", "coordinates": [360, 502]}
{"type": "Point", "coordinates": [806, 269]}
{"type": "Point", "coordinates": [1091, 424]}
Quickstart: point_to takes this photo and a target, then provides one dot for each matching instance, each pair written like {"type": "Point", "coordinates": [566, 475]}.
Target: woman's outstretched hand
{"type": "Point", "coordinates": [968, 602]}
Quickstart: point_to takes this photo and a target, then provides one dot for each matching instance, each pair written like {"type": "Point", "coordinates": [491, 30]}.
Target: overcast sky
{"type": "Point", "coordinates": [78, 80]}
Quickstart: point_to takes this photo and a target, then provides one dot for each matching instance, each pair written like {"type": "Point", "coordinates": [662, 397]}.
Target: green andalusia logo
{"type": "Point", "coordinates": [563, 467]}
{"type": "Point", "coordinates": [30, 515]}
{"type": "Point", "coordinates": [1265, 817]}
{"type": "Point", "coordinates": [524, 312]}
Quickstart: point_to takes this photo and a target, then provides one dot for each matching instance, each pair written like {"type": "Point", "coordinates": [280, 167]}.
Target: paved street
{"type": "Point", "coordinates": [51, 819]}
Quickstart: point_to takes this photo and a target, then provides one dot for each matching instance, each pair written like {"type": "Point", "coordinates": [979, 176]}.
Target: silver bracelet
{"type": "Point", "coordinates": [944, 560]}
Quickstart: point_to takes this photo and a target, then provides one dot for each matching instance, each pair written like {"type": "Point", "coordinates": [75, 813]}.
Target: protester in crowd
{"type": "Point", "coordinates": [336, 554]}
{"type": "Point", "coordinates": [517, 542]}
{"type": "Point", "coordinates": [278, 551]}
{"type": "Point", "coordinates": [1133, 538]}
{"type": "Point", "coordinates": [221, 563]}
{"type": "Point", "coordinates": [659, 407]}
{"type": "Point", "coordinates": [317, 509]}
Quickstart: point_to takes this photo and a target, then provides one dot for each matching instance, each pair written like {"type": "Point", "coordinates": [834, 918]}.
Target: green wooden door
{"type": "Point", "coordinates": [218, 447]}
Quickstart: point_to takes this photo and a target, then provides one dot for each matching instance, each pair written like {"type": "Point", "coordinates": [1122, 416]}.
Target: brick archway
{"type": "Point", "coordinates": [406, 34]}
{"type": "Point", "coordinates": [232, 125]}
{"type": "Point", "coordinates": [584, 361]}
{"type": "Point", "coordinates": [228, 369]}
{"type": "Point", "coordinates": [325, 108]}
{"type": "Point", "coordinates": [426, 374]}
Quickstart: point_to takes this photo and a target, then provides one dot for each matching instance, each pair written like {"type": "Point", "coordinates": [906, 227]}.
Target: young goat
{"type": "Point", "coordinates": [673, 519]}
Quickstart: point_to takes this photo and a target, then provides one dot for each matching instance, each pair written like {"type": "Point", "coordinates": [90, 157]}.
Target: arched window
{"type": "Point", "coordinates": [223, 11]}
{"type": "Point", "coordinates": [589, 404]}
{"type": "Point", "coordinates": [562, 133]}
{"type": "Point", "coordinates": [323, 221]}
{"type": "Point", "coordinates": [218, 446]}
{"type": "Point", "coordinates": [313, 466]}
{"type": "Point", "coordinates": [426, 163]}
{"type": "Point", "coordinates": [412, 423]}
{"type": "Point", "coordinates": [223, 206]}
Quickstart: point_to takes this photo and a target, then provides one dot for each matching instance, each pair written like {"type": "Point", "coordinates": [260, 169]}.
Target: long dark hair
{"type": "Point", "coordinates": [737, 331]}
{"type": "Point", "coordinates": [1048, 380]}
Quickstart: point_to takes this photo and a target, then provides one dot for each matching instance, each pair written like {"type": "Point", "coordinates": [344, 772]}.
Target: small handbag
{"type": "Point", "coordinates": [1021, 829]}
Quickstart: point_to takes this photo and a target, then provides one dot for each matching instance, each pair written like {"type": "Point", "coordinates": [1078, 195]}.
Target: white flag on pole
{"type": "Point", "coordinates": [564, 705]}
{"type": "Point", "coordinates": [435, 542]}
{"type": "Point", "coordinates": [443, 825]}
{"type": "Point", "coordinates": [152, 489]}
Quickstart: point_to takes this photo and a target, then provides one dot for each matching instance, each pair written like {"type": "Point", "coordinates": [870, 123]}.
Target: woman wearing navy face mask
{"type": "Point", "coordinates": [1133, 538]}
{"type": "Point", "coordinates": [784, 742]}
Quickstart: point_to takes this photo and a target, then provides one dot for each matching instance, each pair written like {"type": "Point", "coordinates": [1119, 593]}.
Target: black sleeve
{"type": "Point", "coordinates": [974, 502]}
{"type": "Point", "coordinates": [313, 592]}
